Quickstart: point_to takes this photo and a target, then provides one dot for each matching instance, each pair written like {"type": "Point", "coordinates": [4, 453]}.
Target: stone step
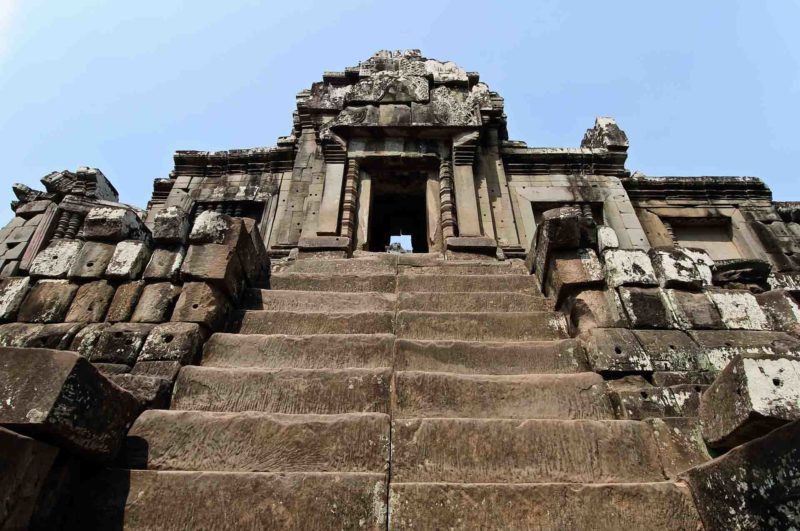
{"type": "Point", "coordinates": [484, 326]}
{"type": "Point", "coordinates": [662, 506]}
{"type": "Point", "coordinates": [258, 442]}
{"type": "Point", "coordinates": [527, 396]}
{"type": "Point", "coordinates": [317, 301]}
{"type": "Point", "coordinates": [301, 323]}
{"type": "Point", "coordinates": [524, 451]}
{"type": "Point", "coordinates": [509, 267]}
{"type": "Point", "coordinates": [331, 282]}
{"type": "Point", "coordinates": [295, 391]}
{"type": "Point", "coordinates": [476, 357]}
{"type": "Point", "coordinates": [461, 283]}
{"type": "Point", "coordinates": [386, 265]}
{"type": "Point", "coordinates": [319, 351]}
{"type": "Point", "coordinates": [479, 301]}
{"type": "Point", "coordinates": [148, 499]}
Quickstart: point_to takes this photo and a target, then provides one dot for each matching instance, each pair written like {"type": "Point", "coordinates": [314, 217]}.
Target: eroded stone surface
{"type": "Point", "coordinates": [57, 259]}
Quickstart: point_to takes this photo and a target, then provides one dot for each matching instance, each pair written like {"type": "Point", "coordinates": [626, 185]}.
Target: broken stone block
{"type": "Point", "coordinates": [606, 238]}
{"type": "Point", "coordinates": [210, 227]}
{"type": "Point", "coordinates": [113, 224]}
{"type": "Point", "coordinates": [109, 369]}
{"type": "Point", "coordinates": [202, 303]}
{"type": "Point", "coordinates": [56, 260]}
{"type": "Point", "coordinates": [173, 342]}
{"type": "Point", "coordinates": [90, 303]}
{"type": "Point", "coordinates": [752, 396]}
{"type": "Point", "coordinates": [151, 392]}
{"type": "Point", "coordinates": [671, 350]}
{"type": "Point", "coordinates": [754, 486]}
{"type": "Point", "coordinates": [164, 264]}
{"type": "Point", "coordinates": [781, 309]}
{"type": "Point", "coordinates": [156, 303]}
{"type": "Point", "coordinates": [596, 309]}
{"type": "Point", "coordinates": [693, 310]}
{"type": "Point", "coordinates": [60, 397]}
{"type": "Point", "coordinates": [128, 260]}
{"type": "Point", "coordinates": [86, 339]}
{"type": "Point", "coordinates": [570, 271]}
{"type": "Point", "coordinates": [217, 264]}
{"type": "Point", "coordinates": [680, 443]}
{"type": "Point", "coordinates": [616, 350]}
{"type": "Point", "coordinates": [739, 309]}
{"type": "Point", "coordinates": [12, 293]}
{"type": "Point", "coordinates": [120, 343]}
{"type": "Point", "coordinates": [672, 378]}
{"type": "Point", "coordinates": [646, 308]}
{"type": "Point", "coordinates": [56, 336]}
{"type": "Point", "coordinates": [25, 464]}
{"type": "Point", "coordinates": [741, 271]}
{"type": "Point", "coordinates": [17, 334]}
{"type": "Point", "coordinates": [676, 269]}
{"type": "Point", "coordinates": [721, 347]}
{"type": "Point", "coordinates": [560, 229]}
{"type": "Point", "coordinates": [167, 370]}
{"type": "Point", "coordinates": [124, 302]}
{"type": "Point", "coordinates": [628, 267]}
{"type": "Point", "coordinates": [171, 225]}
{"type": "Point", "coordinates": [253, 256]}
{"type": "Point", "coordinates": [10, 268]}
{"type": "Point", "coordinates": [702, 262]}
{"type": "Point", "coordinates": [655, 402]}
{"type": "Point", "coordinates": [92, 260]}
{"type": "Point", "coordinates": [47, 302]}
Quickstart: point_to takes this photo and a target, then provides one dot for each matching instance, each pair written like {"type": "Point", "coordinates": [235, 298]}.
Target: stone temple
{"type": "Point", "coordinates": [556, 343]}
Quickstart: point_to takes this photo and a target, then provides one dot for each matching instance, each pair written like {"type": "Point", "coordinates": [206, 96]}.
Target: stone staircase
{"type": "Point", "coordinates": [393, 391]}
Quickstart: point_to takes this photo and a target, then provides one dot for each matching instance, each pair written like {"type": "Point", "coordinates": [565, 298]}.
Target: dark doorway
{"type": "Point", "coordinates": [398, 208]}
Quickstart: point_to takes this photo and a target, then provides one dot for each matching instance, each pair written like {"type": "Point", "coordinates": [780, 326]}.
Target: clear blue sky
{"type": "Point", "coordinates": [701, 88]}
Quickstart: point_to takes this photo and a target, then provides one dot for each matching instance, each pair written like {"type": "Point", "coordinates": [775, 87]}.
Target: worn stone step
{"type": "Point", "coordinates": [483, 326]}
{"type": "Point", "coordinates": [479, 301]}
{"type": "Point", "coordinates": [149, 499]}
{"type": "Point", "coordinates": [661, 506]}
{"type": "Point", "coordinates": [258, 442]}
{"type": "Point", "coordinates": [461, 283]}
{"type": "Point", "coordinates": [482, 357]}
{"type": "Point", "coordinates": [525, 396]}
{"type": "Point", "coordinates": [508, 267]}
{"type": "Point", "coordinates": [524, 451]}
{"type": "Point", "coordinates": [300, 323]}
{"type": "Point", "coordinates": [331, 282]}
{"type": "Point", "coordinates": [386, 264]}
{"type": "Point", "coordinates": [317, 301]}
{"type": "Point", "coordinates": [319, 351]}
{"type": "Point", "coordinates": [297, 391]}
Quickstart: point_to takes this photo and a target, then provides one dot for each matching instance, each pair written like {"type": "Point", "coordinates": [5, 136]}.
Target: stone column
{"type": "Point", "coordinates": [446, 200]}
{"type": "Point", "coordinates": [350, 201]}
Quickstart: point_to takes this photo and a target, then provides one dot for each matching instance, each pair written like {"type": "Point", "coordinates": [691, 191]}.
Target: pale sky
{"type": "Point", "coordinates": [701, 88]}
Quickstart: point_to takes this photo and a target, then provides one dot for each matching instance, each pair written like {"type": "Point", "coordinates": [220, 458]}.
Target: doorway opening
{"type": "Point", "coordinates": [398, 209]}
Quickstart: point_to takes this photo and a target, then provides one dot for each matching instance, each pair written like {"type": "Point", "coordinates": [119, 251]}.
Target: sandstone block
{"type": "Point", "coordinates": [216, 264]}
{"type": "Point", "coordinates": [128, 260]}
{"type": "Point", "coordinates": [56, 260]}
{"type": "Point", "coordinates": [59, 396]}
{"type": "Point", "coordinates": [110, 369]}
{"type": "Point", "coordinates": [25, 464]}
{"type": "Point", "coordinates": [571, 271]}
{"type": "Point", "coordinates": [693, 310]}
{"type": "Point", "coordinates": [152, 392]}
{"type": "Point", "coordinates": [156, 303]}
{"type": "Point", "coordinates": [173, 342]}
{"type": "Point", "coordinates": [721, 346]}
{"type": "Point", "coordinates": [646, 308]}
{"type": "Point", "coordinates": [739, 309]}
{"type": "Point", "coordinates": [86, 339]}
{"type": "Point", "coordinates": [164, 264]}
{"type": "Point", "coordinates": [253, 255]}
{"type": "Point", "coordinates": [656, 402]}
{"type": "Point", "coordinates": [171, 225]}
{"type": "Point", "coordinates": [113, 224]}
{"type": "Point", "coordinates": [616, 349]}
{"type": "Point", "coordinates": [120, 343]}
{"type": "Point", "coordinates": [606, 238]}
{"type": "Point", "coordinates": [47, 302]}
{"type": "Point", "coordinates": [702, 262]}
{"type": "Point", "coordinates": [124, 302]}
{"type": "Point", "coordinates": [752, 396]}
{"type": "Point", "coordinates": [680, 443]}
{"type": "Point", "coordinates": [676, 269]}
{"type": "Point", "coordinates": [202, 303]}
{"type": "Point", "coordinates": [12, 293]}
{"type": "Point", "coordinates": [781, 309]}
{"type": "Point", "coordinates": [210, 227]}
{"type": "Point", "coordinates": [628, 267]}
{"type": "Point", "coordinates": [596, 309]}
{"type": "Point", "coordinates": [672, 350]}
{"type": "Point", "coordinates": [167, 370]}
{"type": "Point", "coordinates": [90, 303]}
{"type": "Point", "coordinates": [754, 486]}
{"type": "Point", "coordinates": [92, 260]}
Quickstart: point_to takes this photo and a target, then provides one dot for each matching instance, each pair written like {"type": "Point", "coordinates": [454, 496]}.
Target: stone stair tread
{"type": "Point", "coordinates": [472, 301]}
{"type": "Point", "coordinates": [524, 451]}
{"type": "Point", "coordinates": [481, 326]}
{"type": "Point", "coordinates": [280, 351]}
{"type": "Point", "coordinates": [258, 442]}
{"type": "Point", "coordinates": [300, 323]}
{"type": "Point", "coordinates": [526, 396]}
{"type": "Point", "coordinates": [490, 357]}
{"type": "Point", "coordinates": [455, 283]}
{"type": "Point", "coordinates": [334, 282]}
{"type": "Point", "coordinates": [295, 391]}
{"type": "Point", "coordinates": [651, 506]}
{"type": "Point", "coordinates": [516, 267]}
{"type": "Point", "coordinates": [316, 301]}
{"type": "Point", "coordinates": [386, 265]}
{"type": "Point", "coordinates": [149, 499]}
